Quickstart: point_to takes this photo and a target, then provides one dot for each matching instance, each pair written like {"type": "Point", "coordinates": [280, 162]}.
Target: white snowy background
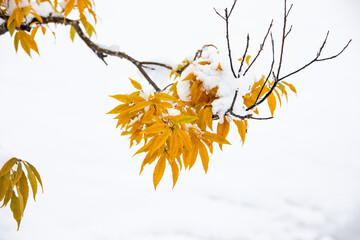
{"type": "Point", "coordinates": [296, 178]}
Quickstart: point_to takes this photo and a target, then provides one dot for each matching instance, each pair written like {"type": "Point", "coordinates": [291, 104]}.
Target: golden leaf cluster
{"type": "Point", "coordinates": [14, 185]}
{"type": "Point", "coordinates": [172, 131]}
{"type": "Point", "coordinates": [261, 88]}
{"type": "Point", "coordinates": [24, 11]}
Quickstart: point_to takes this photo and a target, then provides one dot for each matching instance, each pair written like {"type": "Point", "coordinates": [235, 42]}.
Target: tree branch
{"type": "Point", "coordinates": [226, 18]}
{"type": "Point", "coordinates": [317, 58]}
{"type": "Point", "coordinates": [101, 52]}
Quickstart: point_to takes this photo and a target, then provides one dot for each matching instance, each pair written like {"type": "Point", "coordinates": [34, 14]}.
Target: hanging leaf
{"type": "Point", "coordinates": [292, 88]}
{"type": "Point", "coordinates": [204, 156]}
{"type": "Point", "coordinates": [72, 33]}
{"type": "Point", "coordinates": [272, 103]}
{"type": "Point", "coordinates": [159, 170]}
{"type": "Point", "coordinates": [175, 172]}
{"type": "Point", "coordinates": [15, 208]}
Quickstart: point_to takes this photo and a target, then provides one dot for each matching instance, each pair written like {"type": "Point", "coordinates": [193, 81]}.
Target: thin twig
{"type": "Point", "coordinates": [243, 58]}
{"type": "Point", "coordinates": [288, 31]}
{"type": "Point", "coordinates": [317, 59]}
{"type": "Point", "coordinates": [232, 8]}
{"type": "Point", "coordinates": [261, 48]}
{"type": "Point", "coordinates": [157, 64]}
{"type": "Point", "coordinates": [283, 39]}
{"type": "Point", "coordinates": [228, 42]}
{"type": "Point", "coordinates": [256, 103]}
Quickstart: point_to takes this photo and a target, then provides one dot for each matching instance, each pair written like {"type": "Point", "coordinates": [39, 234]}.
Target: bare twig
{"type": "Point", "coordinates": [243, 58]}
{"type": "Point", "coordinates": [288, 31]}
{"type": "Point", "coordinates": [267, 78]}
{"type": "Point", "coordinates": [286, 12]}
{"type": "Point", "coordinates": [261, 48]}
{"type": "Point", "coordinates": [228, 42]}
{"type": "Point", "coordinates": [317, 58]}
{"type": "Point", "coordinates": [232, 8]}
{"type": "Point", "coordinates": [157, 64]}
{"type": "Point", "coordinates": [226, 19]}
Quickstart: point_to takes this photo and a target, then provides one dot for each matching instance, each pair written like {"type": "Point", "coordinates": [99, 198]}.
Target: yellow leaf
{"type": "Point", "coordinates": [208, 117]}
{"type": "Point", "coordinates": [204, 156]}
{"type": "Point", "coordinates": [247, 59]}
{"type": "Point", "coordinates": [72, 33]}
{"type": "Point", "coordinates": [155, 128]}
{"type": "Point", "coordinates": [292, 88]}
{"type": "Point", "coordinates": [241, 126]}
{"type": "Point", "coordinates": [193, 152]}
{"type": "Point", "coordinates": [4, 184]}
{"type": "Point", "coordinates": [159, 170]}
{"type": "Point", "coordinates": [223, 130]}
{"type": "Point", "coordinates": [175, 172]}
{"type": "Point", "coordinates": [15, 208]}
{"type": "Point", "coordinates": [8, 195]}
{"type": "Point", "coordinates": [215, 138]}
{"type": "Point", "coordinates": [43, 29]}
{"type": "Point", "coordinates": [186, 119]}
{"type": "Point", "coordinates": [271, 100]}
{"type": "Point", "coordinates": [122, 98]}
{"type": "Point", "coordinates": [18, 173]}
{"type": "Point", "coordinates": [190, 76]}
{"type": "Point", "coordinates": [16, 41]}
{"type": "Point", "coordinates": [204, 63]}
{"type": "Point", "coordinates": [69, 7]}
{"type": "Point", "coordinates": [37, 16]}
{"type": "Point", "coordinates": [149, 158]}
{"type": "Point", "coordinates": [164, 97]}
{"type": "Point", "coordinates": [140, 106]}
{"type": "Point", "coordinates": [160, 140]}
{"type": "Point", "coordinates": [278, 95]}
{"type": "Point", "coordinates": [8, 166]}
{"type": "Point", "coordinates": [36, 173]}
{"type": "Point", "coordinates": [136, 84]}
{"type": "Point", "coordinates": [32, 180]}
{"type": "Point", "coordinates": [24, 188]}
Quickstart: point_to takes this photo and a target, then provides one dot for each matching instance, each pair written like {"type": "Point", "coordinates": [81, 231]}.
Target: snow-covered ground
{"type": "Point", "coordinates": [296, 178]}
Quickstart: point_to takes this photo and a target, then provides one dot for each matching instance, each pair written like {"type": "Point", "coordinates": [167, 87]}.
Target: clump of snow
{"type": "Point", "coordinates": [183, 90]}
{"type": "Point", "coordinates": [213, 77]}
{"type": "Point", "coordinates": [44, 9]}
